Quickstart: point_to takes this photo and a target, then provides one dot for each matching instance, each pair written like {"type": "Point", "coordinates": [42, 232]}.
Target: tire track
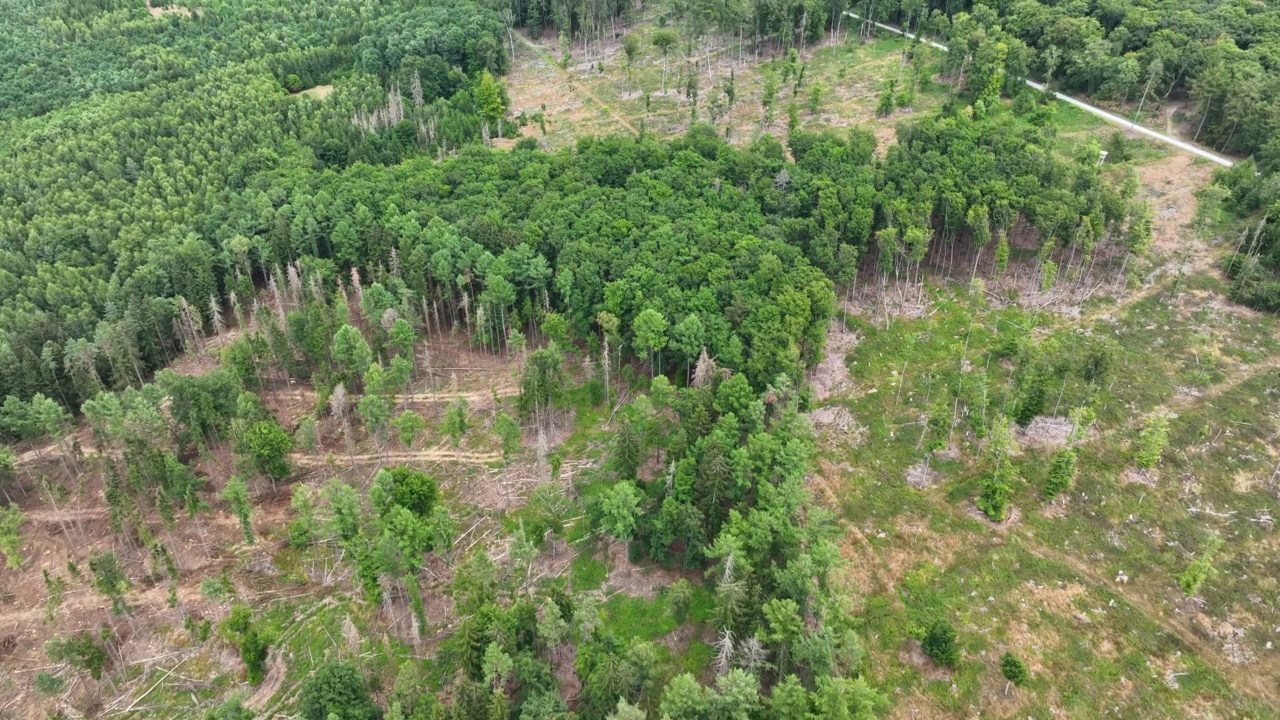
{"type": "Point", "coordinates": [439, 454]}
{"type": "Point", "coordinates": [578, 86]}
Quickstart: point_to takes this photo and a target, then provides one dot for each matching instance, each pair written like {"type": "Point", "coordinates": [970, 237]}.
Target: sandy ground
{"type": "Point", "coordinates": [169, 10]}
{"type": "Point", "coordinates": [831, 377]}
{"type": "Point", "coordinates": [318, 92]}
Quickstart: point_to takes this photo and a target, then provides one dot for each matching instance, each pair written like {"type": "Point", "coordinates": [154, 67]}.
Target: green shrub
{"type": "Point", "coordinates": [1151, 441]}
{"type": "Point", "coordinates": [1200, 569]}
{"type": "Point", "coordinates": [80, 651]}
{"type": "Point", "coordinates": [336, 688]}
{"type": "Point", "coordinates": [940, 644]}
{"type": "Point", "coordinates": [1013, 669]}
{"type": "Point", "coordinates": [253, 652]}
{"type": "Point", "coordinates": [50, 684]}
{"type": "Point", "coordinates": [996, 492]}
{"type": "Point", "coordinates": [679, 598]}
{"type": "Point", "coordinates": [1062, 471]}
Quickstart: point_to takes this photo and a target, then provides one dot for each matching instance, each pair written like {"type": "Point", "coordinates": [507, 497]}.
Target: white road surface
{"type": "Point", "coordinates": [1093, 110]}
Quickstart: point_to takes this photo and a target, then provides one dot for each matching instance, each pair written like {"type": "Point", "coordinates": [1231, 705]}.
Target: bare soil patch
{"type": "Point", "coordinates": [914, 543]}
{"type": "Point", "coordinates": [635, 580]}
{"type": "Point", "coordinates": [912, 654]}
{"type": "Point", "coordinates": [1012, 517]}
{"type": "Point", "coordinates": [837, 420]}
{"type": "Point", "coordinates": [1137, 476]}
{"type": "Point", "coordinates": [276, 671]}
{"type": "Point", "coordinates": [1170, 186]}
{"type": "Point", "coordinates": [1048, 432]}
{"type": "Point", "coordinates": [1027, 644]}
{"type": "Point", "coordinates": [1056, 508]}
{"type": "Point", "coordinates": [831, 376]}
{"type": "Point", "coordinates": [1246, 481]}
{"type": "Point", "coordinates": [208, 356]}
{"type": "Point", "coordinates": [434, 455]}
{"type": "Point", "coordinates": [170, 10]}
{"type": "Point", "coordinates": [318, 92]}
{"type": "Point", "coordinates": [828, 484]}
{"type": "Point", "coordinates": [885, 138]}
{"type": "Point", "coordinates": [921, 476]}
{"type": "Point", "coordinates": [916, 706]}
{"type": "Point", "coordinates": [1059, 598]}
{"type": "Point", "coordinates": [856, 575]}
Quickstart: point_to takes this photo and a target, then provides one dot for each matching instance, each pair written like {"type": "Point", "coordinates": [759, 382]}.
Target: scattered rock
{"type": "Point", "coordinates": [1149, 478]}
{"type": "Point", "coordinates": [1047, 431]}
{"type": "Point", "coordinates": [921, 476]}
{"type": "Point", "coordinates": [831, 376]}
{"type": "Point", "coordinates": [835, 417]}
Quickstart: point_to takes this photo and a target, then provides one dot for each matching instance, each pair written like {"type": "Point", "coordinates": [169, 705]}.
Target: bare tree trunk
{"type": "Point", "coordinates": [1202, 119]}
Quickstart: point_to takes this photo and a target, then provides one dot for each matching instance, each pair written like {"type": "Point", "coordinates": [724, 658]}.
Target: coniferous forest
{"type": "Point", "coordinates": [336, 386]}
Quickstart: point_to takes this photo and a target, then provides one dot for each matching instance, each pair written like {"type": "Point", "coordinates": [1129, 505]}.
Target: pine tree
{"type": "Point", "coordinates": [11, 521]}
{"type": "Point", "coordinates": [508, 431]}
{"type": "Point", "coordinates": [236, 495]}
{"type": "Point", "coordinates": [1152, 440]}
{"type": "Point", "coordinates": [1013, 669]}
{"type": "Point", "coordinates": [1002, 253]}
{"type": "Point", "coordinates": [940, 644]}
{"type": "Point", "coordinates": [408, 425]}
{"type": "Point", "coordinates": [1062, 472]}
{"type": "Point", "coordinates": [80, 651]}
{"type": "Point", "coordinates": [303, 527]}
{"type": "Point", "coordinates": [109, 578]}
{"type": "Point", "coordinates": [454, 423]}
{"type": "Point", "coordinates": [488, 99]}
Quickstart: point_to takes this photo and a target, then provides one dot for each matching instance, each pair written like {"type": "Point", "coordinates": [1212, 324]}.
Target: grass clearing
{"type": "Point", "coordinates": [1084, 589]}
{"type": "Point", "coordinates": [596, 93]}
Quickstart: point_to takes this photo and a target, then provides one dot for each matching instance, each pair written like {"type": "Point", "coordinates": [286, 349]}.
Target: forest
{"type": "Point", "coordinates": [332, 390]}
{"type": "Point", "coordinates": [498, 239]}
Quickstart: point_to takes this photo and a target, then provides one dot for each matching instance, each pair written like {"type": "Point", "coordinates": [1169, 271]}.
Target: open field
{"type": "Point", "coordinates": [579, 99]}
{"type": "Point", "coordinates": [1084, 586]}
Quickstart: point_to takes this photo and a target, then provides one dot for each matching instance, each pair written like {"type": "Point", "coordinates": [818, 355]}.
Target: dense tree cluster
{"type": "Point", "coordinates": [111, 257]}
{"type": "Point", "coordinates": [432, 39]}
{"type": "Point", "coordinates": [731, 501]}
{"type": "Point", "coordinates": [685, 245]}
{"type": "Point", "coordinates": [53, 54]}
{"type": "Point", "coordinates": [730, 497]}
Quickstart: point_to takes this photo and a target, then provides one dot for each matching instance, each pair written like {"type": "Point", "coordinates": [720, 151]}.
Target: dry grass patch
{"type": "Point", "coordinates": [156, 12]}
{"type": "Point", "coordinates": [912, 655]}
{"type": "Point", "coordinates": [913, 543]}
{"type": "Point", "coordinates": [855, 576]}
{"type": "Point", "coordinates": [916, 706]}
{"type": "Point", "coordinates": [318, 92]}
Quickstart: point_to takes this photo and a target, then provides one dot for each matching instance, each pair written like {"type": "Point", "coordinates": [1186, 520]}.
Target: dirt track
{"type": "Point", "coordinates": [439, 454]}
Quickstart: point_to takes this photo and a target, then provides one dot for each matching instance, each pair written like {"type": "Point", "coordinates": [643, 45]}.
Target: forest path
{"type": "Point", "coordinates": [438, 454]}
{"type": "Point", "coordinates": [1112, 118]}
{"type": "Point", "coordinates": [1243, 374]}
{"type": "Point", "coordinates": [1179, 250]}
{"type": "Point", "coordinates": [581, 87]}
{"type": "Point", "coordinates": [141, 602]}
{"type": "Point", "coordinates": [306, 394]}
{"type": "Point", "coordinates": [1257, 685]}
{"type": "Point", "coordinates": [66, 514]}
